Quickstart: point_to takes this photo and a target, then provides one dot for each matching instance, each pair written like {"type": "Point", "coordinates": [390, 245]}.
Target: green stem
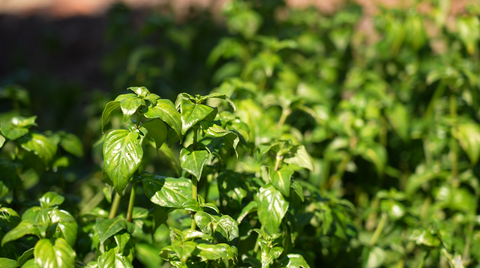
{"type": "Point", "coordinates": [379, 230]}
{"type": "Point", "coordinates": [116, 202]}
{"type": "Point", "coordinates": [278, 162]}
{"type": "Point", "coordinates": [454, 143]}
{"type": "Point", "coordinates": [285, 114]}
{"type": "Point", "coordinates": [194, 181]}
{"type": "Point", "coordinates": [131, 203]}
{"type": "Point", "coordinates": [139, 116]}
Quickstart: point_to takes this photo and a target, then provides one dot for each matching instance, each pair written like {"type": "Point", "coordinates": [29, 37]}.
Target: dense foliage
{"type": "Point", "coordinates": [322, 144]}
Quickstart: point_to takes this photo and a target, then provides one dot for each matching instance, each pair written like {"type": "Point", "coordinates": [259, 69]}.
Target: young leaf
{"type": "Point", "coordinates": [109, 108]}
{"type": "Point", "coordinates": [167, 192]}
{"type": "Point", "coordinates": [51, 199]}
{"type": "Point", "coordinates": [271, 208]}
{"type": "Point", "coordinates": [129, 105]}
{"type": "Point", "coordinates": [469, 138]}
{"type": "Point", "coordinates": [40, 145]}
{"type": "Point", "coordinates": [122, 154]}
{"type": "Point", "coordinates": [193, 113]}
{"type": "Point", "coordinates": [140, 91]}
{"type": "Point", "coordinates": [157, 130]}
{"type": "Point", "coordinates": [165, 110]}
{"type": "Point", "coordinates": [281, 179]}
{"type": "Point", "coordinates": [194, 161]}
{"type": "Point", "coordinates": [269, 255]}
{"type": "Point", "coordinates": [58, 254]}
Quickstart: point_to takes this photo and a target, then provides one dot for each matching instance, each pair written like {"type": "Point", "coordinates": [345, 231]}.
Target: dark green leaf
{"type": "Point", "coordinates": [298, 189]}
{"type": "Point", "coordinates": [167, 192]}
{"type": "Point", "coordinates": [193, 113]}
{"type": "Point", "coordinates": [109, 227]}
{"type": "Point", "coordinates": [40, 145]}
{"type": "Point", "coordinates": [17, 127]}
{"type": "Point", "coordinates": [27, 255]}
{"type": "Point", "coordinates": [165, 110]}
{"type": "Point", "coordinates": [194, 161]}
{"type": "Point", "coordinates": [157, 130]}
{"type": "Point", "coordinates": [58, 254]}
{"type": "Point", "coordinates": [191, 205]}
{"type": "Point", "coordinates": [109, 108]}
{"type": "Point", "coordinates": [281, 179]}
{"type": "Point", "coordinates": [122, 154]}
{"type": "Point", "coordinates": [51, 199]}
{"type": "Point", "coordinates": [271, 208]}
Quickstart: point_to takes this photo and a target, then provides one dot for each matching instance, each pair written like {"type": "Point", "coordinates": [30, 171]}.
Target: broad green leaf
{"type": "Point", "coordinates": [140, 91]}
{"type": "Point", "coordinates": [17, 127]}
{"type": "Point", "coordinates": [183, 249]}
{"type": "Point", "coordinates": [8, 263]}
{"type": "Point", "coordinates": [269, 255]}
{"type": "Point", "coordinates": [66, 225]}
{"type": "Point", "coordinates": [165, 110]}
{"type": "Point", "coordinates": [194, 161]}
{"type": "Point", "coordinates": [469, 137]}
{"type": "Point", "coordinates": [204, 222]}
{"type": "Point", "coordinates": [72, 144]}
{"type": "Point", "coordinates": [228, 227]}
{"type": "Point", "coordinates": [40, 145]}
{"type": "Point", "coordinates": [157, 130]}
{"type": "Point", "coordinates": [167, 192]}
{"type": "Point", "coordinates": [51, 199]}
{"type": "Point", "coordinates": [377, 154]}
{"type": "Point", "coordinates": [122, 240]}
{"type": "Point", "coordinates": [294, 261]}
{"type": "Point", "coordinates": [2, 141]}
{"type": "Point", "coordinates": [152, 98]}
{"type": "Point", "coordinates": [281, 179]}
{"type": "Point", "coordinates": [249, 208]}
{"type": "Point", "coordinates": [110, 227]}
{"type": "Point", "coordinates": [193, 234]}
{"type": "Point", "coordinates": [216, 252]}
{"type": "Point", "coordinates": [109, 108]}
{"type": "Point", "coordinates": [193, 113]}
{"type": "Point", "coordinates": [271, 208]}
{"type": "Point", "coordinates": [25, 227]}
{"type": "Point", "coordinates": [298, 156]}
{"type": "Point", "coordinates": [129, 105]}
{"type": "Point", "coordinates": [31, 264]}
{"type": "Point", "coordinates": [113, 259]}
{"type": "Point", "coordinates": [122, 154]}
{"type": "Point", "coordinates": [27, 255]}
{"type": "Point", "coordinates": [298, 189]}
{"type": "Point", "coordinates": [192, 205]}
{"type": "Point", "coordinates": [54, 255]}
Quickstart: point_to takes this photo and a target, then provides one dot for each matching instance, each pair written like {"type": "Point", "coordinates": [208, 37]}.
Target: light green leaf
{"type": "Point", "coordinates": [294, 261]}
{"type": "Point", "coordinates": [299, 156]}
{"type": "Point", "coordinates": [113, 259]}
{"type": "Point", "coordinates": [122, 154]}
{"type": "Point", "coordinates": [2, 141]}
{"type": "Point", "coordinates": [165, 110]}
{"type": "Point", "coordinates": [40, 145]}
{"type": "Point", "coordinates": [72, 144]}
{"type": "Point", "coordinates": [51, 199]}
{"type": "Point", "coordinates": [281, 179]}
{"type": "Point", "coordinates": [193, 113]}
{"type": "Point", "coordinates": [183, 249]}
{"type": "Point", "coordinates": [66, 225]}
{"type": "Point", "coordinates": [298, 189]}
{"type": "Point", "coordinates": [129, 104]}
{"type": "Point", "coordinates": [109, 108]}
{"type": "Point", "coordinates": [8, 263]}
{"type": "Point", "coordinates": [25, 227]}
{"type": "Point", "coordinates": [25, 257]}
{"type": "Point", "coordinates": [140, 91]}
{"type": "Point", "coordinates": [469, 138]}
{"type": "Point", "coordinates": [157, 130]}
{"type": "Point", "coordinates": [58, 254]}
{"type": "Point", "coordinates": [194, 161]}
{"type": "Point", "coordinates": [249, 208]}
{"type": "Point", "coordinates": [269, 255]}
{"type": "Point", "coordinates": [192, 205]}
{"type": "Point", "coordinates": [31, 264]}
{"type": "Point", "coordinates": [216, 252]}
{"type": "Point", "coordinates": [193, 234]}
{"type": "Point", "coordinates": [272, 207]}
{"type": "Point", "coordinates": [109, 227]}
{"type": "Point", "coordinates": [167, 192]}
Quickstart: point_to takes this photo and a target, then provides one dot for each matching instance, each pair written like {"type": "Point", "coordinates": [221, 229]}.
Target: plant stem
{"type": "Point", "coordinates": [285, 114]}
{"type": "Point", "coordinates": [379, 230]}
{"type": "Point", "coordinates": [454, 143]}
{"type": "Point", "coordinates": [138, 121]}
{"type": "Point", "coordinates": [131, 203]}
{"type": "Point", "coordinates": [278, 161]}
{"type": "Point", "coordinates": [116, 202]}
{"type": "Point", "coordinates": [194, 181]}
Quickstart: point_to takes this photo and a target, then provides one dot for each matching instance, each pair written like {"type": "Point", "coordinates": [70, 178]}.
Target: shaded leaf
{"type": "Point", "coordinates": [157, 130]}
{"type": "Point", "coordinates": [72, 144]}
{"type": "Point", "coordinates": [167, 192]}
{"type": "Point", "coordinates": [165, 110]}
{"type": "Point", "coordinates": [109, 227]}
{"type": "Point", "coordinates": [194, 161]}
{"type": "Point", "coordinates": [25, 227]}
{"type": "Point", "coordinates": [40, 145]}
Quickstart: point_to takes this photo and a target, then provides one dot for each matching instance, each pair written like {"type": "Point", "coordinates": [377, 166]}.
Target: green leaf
{"type": "Point", "coordinates": [8, 263]}
{"type": "Point", "coordinates": [271, 208]}
{"type": "Point", "coordinates": [249, 208]}
{"type": "Point", "coordinates": [294, 261]}
{"type": "Point", "coordinates": [219, 96]}
{"type": "Point", "coordinates": [469, 137]}
{"type": "Point", "coordinates": [109, 227]}
{"type": "Point", "coordinates": [17, 127]}
{"type": "Point", "coordinates": [167, 192]}
{"type": "Point", "coordinates": [281, 179]}
{"type": "Point", "coordinates": [377, 154]}
{"type": "Point", "coordinates": [122, 154]}
{"type": "Point", "coordinates": [210, 252]}
{"type": "Point", "coordinates": [25, 227]}
{"type": "Point", "coordinates": [298, 189]}
{"type": "Point", "coordinates": [58, 254]}
{"type": "Point", "coordinates": [109, 108]}
{"type": "Point", "coordinates": [193, 234]}
{"type": "Point", "coordinates": [51, 199]}
{"type": "Point", "coordinates": [40, 145]}
{"type": "Point", "coordinates": [31, 264]}
{"type": "Point", "coordinates": [140, 91]}
{"type": "Point", "coordinates": [65, 225]}
{"type": "Point", "coordinates": [157, 130]}
{"type": "Point", "coordinates": [231, 139]}
{"type": "Point", "coordinates": [113, 259]}
{"type": "Point", "coordinates": [194, 161]}
{"type": "Point", "coordinates": [27, 255]}
{"type": "Point", "coordinates": [191, 205]}
{"type": "Point", "coordinates": [183, 249]}
{"type": "Point", "coordinates": [399, 118]}
{"type": "Point", "coordinates": [2, 141]}
{"type": "Point", "coordinates": [72, 144]}
{"type": "Point", "coordinates": [269, 255]}
{"type": "Point", "coordinates": [193, 113]}
{"type": "Point", "coordinates": [129, 104]}
{"type": "Point", "coordinates": [9, 177]}
{"type": "Point", "coordinates": [298, 156]}
{"type": "Point", "coordinates": [165, 110]}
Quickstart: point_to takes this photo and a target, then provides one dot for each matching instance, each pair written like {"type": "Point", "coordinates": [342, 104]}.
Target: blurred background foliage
{"type": "Point", "coordinates": [387, 105]}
